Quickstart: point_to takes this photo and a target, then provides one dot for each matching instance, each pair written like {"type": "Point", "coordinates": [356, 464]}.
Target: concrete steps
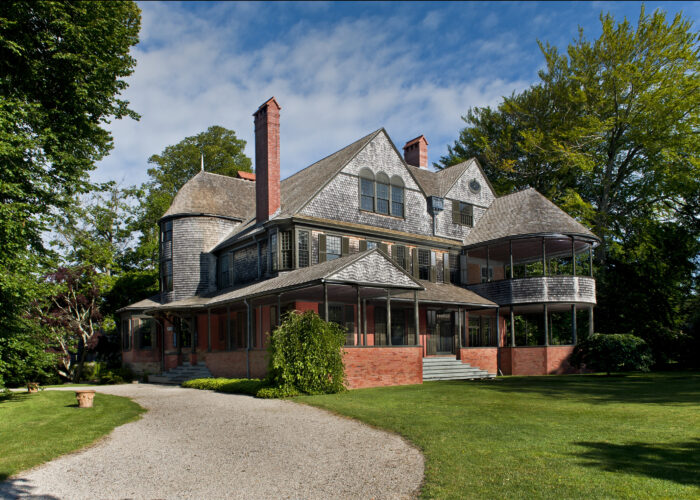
{"type": "Point", "coordinates": [450, 368]}
{"type": "Point", "coordinates": [178, 375]}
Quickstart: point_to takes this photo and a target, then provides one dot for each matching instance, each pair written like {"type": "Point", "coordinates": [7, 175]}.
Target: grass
{"type": "Point", "coordinates": [35, 428]}
{"type": "Point", "coordinates": [636, 436]}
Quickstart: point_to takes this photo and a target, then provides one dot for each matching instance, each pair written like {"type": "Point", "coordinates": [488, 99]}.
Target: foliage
{"type": "Point", "coordinates": [62, 68]}
{"type": "Point", "coordinates": [227, 385]}
{"type": "Point", "coordinates": [46, 425]}
{"type": "Point", "coordinates": [609, 133]}
{"type": "Point", "coordinates": [277, 392]}
{"type": "Point", "coordinates": [23, 357]}
{"type": "Point", "coordinates": [71, 313]}
{"type": "Point", "coordinates": [612, 353]}
{"type": "Point", "coordinates": [573, 436]}
{"type": "Point", "coordinates": [175, 165]}
{"type": "Point", "coordinates": [306, 355]}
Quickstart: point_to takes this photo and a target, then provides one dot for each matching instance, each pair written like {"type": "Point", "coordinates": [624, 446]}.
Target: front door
{"type": "Point", "coordinates": [440, 333]}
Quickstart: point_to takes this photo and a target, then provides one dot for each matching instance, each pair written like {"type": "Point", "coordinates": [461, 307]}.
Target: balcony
{"type": "Point", "coordinates": [538, 289]}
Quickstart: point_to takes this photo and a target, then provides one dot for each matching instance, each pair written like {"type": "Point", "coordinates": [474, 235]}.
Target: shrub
{"type": "Point", "coordinates": [277, 392]}
{"type": "Point", "coordinates": [613, 352]}
{"type": "Point", "coordinates": [227, 385]}
{"type": "Point", "coordinates": [306, 355]}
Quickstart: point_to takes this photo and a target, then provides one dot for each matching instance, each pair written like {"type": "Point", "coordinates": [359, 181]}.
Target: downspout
{"type": "Point", "coordinates": [247, 344]}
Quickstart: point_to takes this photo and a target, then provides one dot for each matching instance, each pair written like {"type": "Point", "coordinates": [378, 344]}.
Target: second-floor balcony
{"type": "Point", "coordinates": [538, 289]}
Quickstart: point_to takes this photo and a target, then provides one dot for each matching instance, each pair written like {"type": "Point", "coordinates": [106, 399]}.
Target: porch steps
{"type": "Point", "coordinates": [450, 368]}
{"type": "Point", "coordinates": [178, 375]}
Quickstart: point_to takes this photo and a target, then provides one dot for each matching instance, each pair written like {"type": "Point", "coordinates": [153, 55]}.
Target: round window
{"type": "Point", "coordinates": [474, 185]}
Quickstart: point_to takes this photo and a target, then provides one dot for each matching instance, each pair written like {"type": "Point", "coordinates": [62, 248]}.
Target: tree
{"type": "Point", "coordinates": [72, 314]}
{"type": "Point", "coordinates": [609, 133]}
{"type": "Point", "coordinates": [612, 353]}
{"type": "Point", "coordinates": [62, 68]}
{"type": "Point", "coordinates": [175, 165]}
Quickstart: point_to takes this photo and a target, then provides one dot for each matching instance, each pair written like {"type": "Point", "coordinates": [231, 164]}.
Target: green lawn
{"type": "Point", "coordinates": [636, 436]}
{"type": "Point", "coordinates": [35, 428]}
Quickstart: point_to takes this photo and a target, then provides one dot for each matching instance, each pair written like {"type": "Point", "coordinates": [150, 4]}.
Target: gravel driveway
{"type": "Point", "coordinates": [206, 445]}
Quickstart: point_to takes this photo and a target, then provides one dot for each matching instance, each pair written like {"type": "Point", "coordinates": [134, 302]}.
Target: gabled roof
{"type": "Point", "coordinates": [299, 188]}
{"type": "Point", "coordinates": [445, 293]}
{"type": "Point", "coordinates": [369, 268]}
{"type": "Point", "coordinates": [439, 183]}
{"type": "Point", "coordinates": [523, 213]}
{"type": "Point", "coordinates": [214, 194]}
{"type": "Point", "coordinates": [148, 303]}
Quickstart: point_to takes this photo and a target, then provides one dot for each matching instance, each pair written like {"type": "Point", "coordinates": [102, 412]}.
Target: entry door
{"type": "Point", "coordinates": [445, 333]}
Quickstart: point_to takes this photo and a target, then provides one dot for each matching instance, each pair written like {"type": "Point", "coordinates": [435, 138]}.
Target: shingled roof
{"type": "Point", "coordinates": [214, 194]}
{"type": "Point", "coordinates": [522, 213]}
{"type": "Point", "coordinates": [439, 183]}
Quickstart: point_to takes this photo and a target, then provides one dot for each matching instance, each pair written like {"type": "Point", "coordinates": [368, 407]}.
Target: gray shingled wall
{"type": "Point", "coordinates": [245, 264]}
{"type": "Point", "coordinates": [192, 264]}
{"type": "Point", "coordinates": [538, 289]}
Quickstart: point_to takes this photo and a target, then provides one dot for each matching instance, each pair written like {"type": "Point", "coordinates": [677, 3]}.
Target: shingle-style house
{"type": "Point", "coordinates": [420, 267]}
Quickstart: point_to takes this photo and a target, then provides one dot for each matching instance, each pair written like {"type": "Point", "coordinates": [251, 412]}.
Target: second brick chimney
{"type": "Point", "coordinates": [267, 160]}
{"type": "Point", "coordinates": [415, 152]}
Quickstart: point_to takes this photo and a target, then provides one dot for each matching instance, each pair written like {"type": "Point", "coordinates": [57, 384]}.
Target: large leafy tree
{"type": "Point", "coordinates": [175, 165]}
{"type": "Point", "coordinates": [62, 69]}
{"type": "Point", "coordinates": [610, 133]}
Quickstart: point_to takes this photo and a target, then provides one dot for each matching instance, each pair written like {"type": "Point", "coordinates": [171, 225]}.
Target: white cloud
{"type": "Point", "coordinates": [335, 82]}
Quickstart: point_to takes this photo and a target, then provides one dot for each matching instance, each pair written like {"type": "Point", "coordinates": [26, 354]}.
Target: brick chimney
{"type": "Point", "coordinates": [415, 152]}
{"type": "Point", "coordinates": [267, 160]}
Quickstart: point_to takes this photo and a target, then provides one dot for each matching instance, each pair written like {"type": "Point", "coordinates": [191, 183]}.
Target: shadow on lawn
{"type": "Point", "coordinates": [678, 388]}
{"type": "Point", "coordinates": [678, 462]}
{"type": "Point", "coordinates": [19, 488]}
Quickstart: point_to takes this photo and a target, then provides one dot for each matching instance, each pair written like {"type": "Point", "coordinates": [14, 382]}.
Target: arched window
{"type": "Point", "coordinates": [397, 202]}
{"type": "Point", "coordinates": [383, 193]}
{"type": "Point", "coordinates": [367, 190]}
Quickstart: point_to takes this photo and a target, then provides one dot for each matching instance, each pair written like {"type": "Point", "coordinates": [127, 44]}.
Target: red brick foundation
{"type": "Point", "coordinates": [383, 366]}
{"type": "Point", "coordinates": [232, 364]}
{"type": "Point", "coordinates": [485, 358]}
{"type": "Point", "coordinates": [541, 360]}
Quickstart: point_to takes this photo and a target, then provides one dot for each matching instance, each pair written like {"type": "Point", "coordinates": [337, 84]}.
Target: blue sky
{"type": "Point", "coordinates": [339, 70]}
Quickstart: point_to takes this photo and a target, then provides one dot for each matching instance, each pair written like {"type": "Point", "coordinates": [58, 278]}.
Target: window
{"type": "Point", "coordinates": [367, 190]}
{"type": "Point", "coordinates": [285, 250]}
{"type": "Point", "coordinates": [382, 194]}
{"type": "Point", "coordinates": [166, 275]}
{"type": "Point", "coordinates": [396, 196]}
{"type": "Point", "coordinates": [304, 248]}
{"type": "Point", "coordinates": [167, 232]}
{"type": "Point", "coordinates": [371, 244]}
{"type": "Point", "coordinates": [398, 253]}
{"type": "Point", "coordinates": [333, 247]}
{"type": "Point", "coordinates": [273, 252]}
{"type": "Point", "coordinates": [424, 264]}
{"type": "Point", "coordinates": [462, 213]}
{"type": "Point", "coordinates": [146, 334]}
{"type": "Point", "coordinates": [454, 268]}
{"type": "Point", "coordinates": [486, 276]}
{"type": "Point", "coordinates": [224, 270]}
{"type": "Point", "coordinates": [126, 344]}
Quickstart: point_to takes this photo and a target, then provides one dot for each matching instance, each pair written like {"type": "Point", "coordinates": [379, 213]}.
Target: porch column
{"type": "Point", "coordinates": [460, 324]}
{"type": "Point", "coordinates": [546, 325]}
{"type": "Point", "coordinates": [228, 327]}
{"type": "Point", "coordinates": [195, 334]}
{"type": "Point", "coordinates": [364, 322]}
{"type": "Point", "coordinates": [325, 301]}
{"type": "Point", "coordinates": [498, 327]}
{"type": "Point", "coordinates": [573, 324]}
{"type": "Point", "coordinates": [590, 260]}
{"type": "Point", "coordinates": [590, 321]}
{"type": "Point", "coordinates": [249, 328]}
{"type": "Point", "coordinates": [416, 316]}
{"type": "Point", "coordinates": [510, 249]}
{"type": "Point", "coordinates": [512, 327]}
{"type": "Point", "coordinates": [359, 317]}
{"type": "Point", "coordinates": [209, 330]}
{"type": "Point", "coordinates": [388, 316]}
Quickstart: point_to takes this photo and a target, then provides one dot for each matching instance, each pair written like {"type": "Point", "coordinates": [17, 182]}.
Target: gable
{"type": "Point", "coordinates": [374, 269]}
{"type": "Point", "coordinates": [459, 188]}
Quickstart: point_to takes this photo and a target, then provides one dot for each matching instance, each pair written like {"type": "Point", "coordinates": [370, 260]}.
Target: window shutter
{"type": "Point", "coordinates": [345, 246]}
{"type": "Point", "coordinates": [321, 248]}
{"type": "Point", "coordinates": [463, 269]}
{"type": "Point", "coordinates": [470, 214]}
{"type": "Point", "coordinates": [363, 245]}
{"type": "Point", "coordinates": [398, 254]}
{"type": "Point", "coordinates": [384, 248]}
{"type": "Point", "coordinates": [455, 212]}
{"type": "Point", "coordinates": [415, 263]}
{"type": "Point", "coordinates": [446, 268]}
{"type": "Point", "coordinates": [433, 274]}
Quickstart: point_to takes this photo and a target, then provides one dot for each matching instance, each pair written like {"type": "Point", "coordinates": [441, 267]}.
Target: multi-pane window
{"type": "Point", "coordinates": [304, 248]}
{"type": "Point", "coordinates": [166, 275]}
{"type": "Point", "coordinates": [371, 244]}
{"type": "Point", "coordinates": [382, 198]}
{"type": "Point", "coordinates": [398, 253]}
{"type": "Point", "coordinates": [333, 247]}
{"type": "Point", "coordinates": [167, 231]}
{"type": "Point", "coordinates": [424, 257]}
{"type": "Point", "coordinates": [397, 201]}
{"type": "Point", "coordinates": [486, 274]}
{"type": "Point", "coordinates": [285, 250]}
{"type": "Point", "coordinates": [454, 268]}
{"type": "Point", "coordinates": [466, 214]}
{"type": "Point", "coordinates": [367, 194]}
{"type": "Point", "coordinates": [273, 252]}
{"type": "Point", "coordinates": [146, 334]}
